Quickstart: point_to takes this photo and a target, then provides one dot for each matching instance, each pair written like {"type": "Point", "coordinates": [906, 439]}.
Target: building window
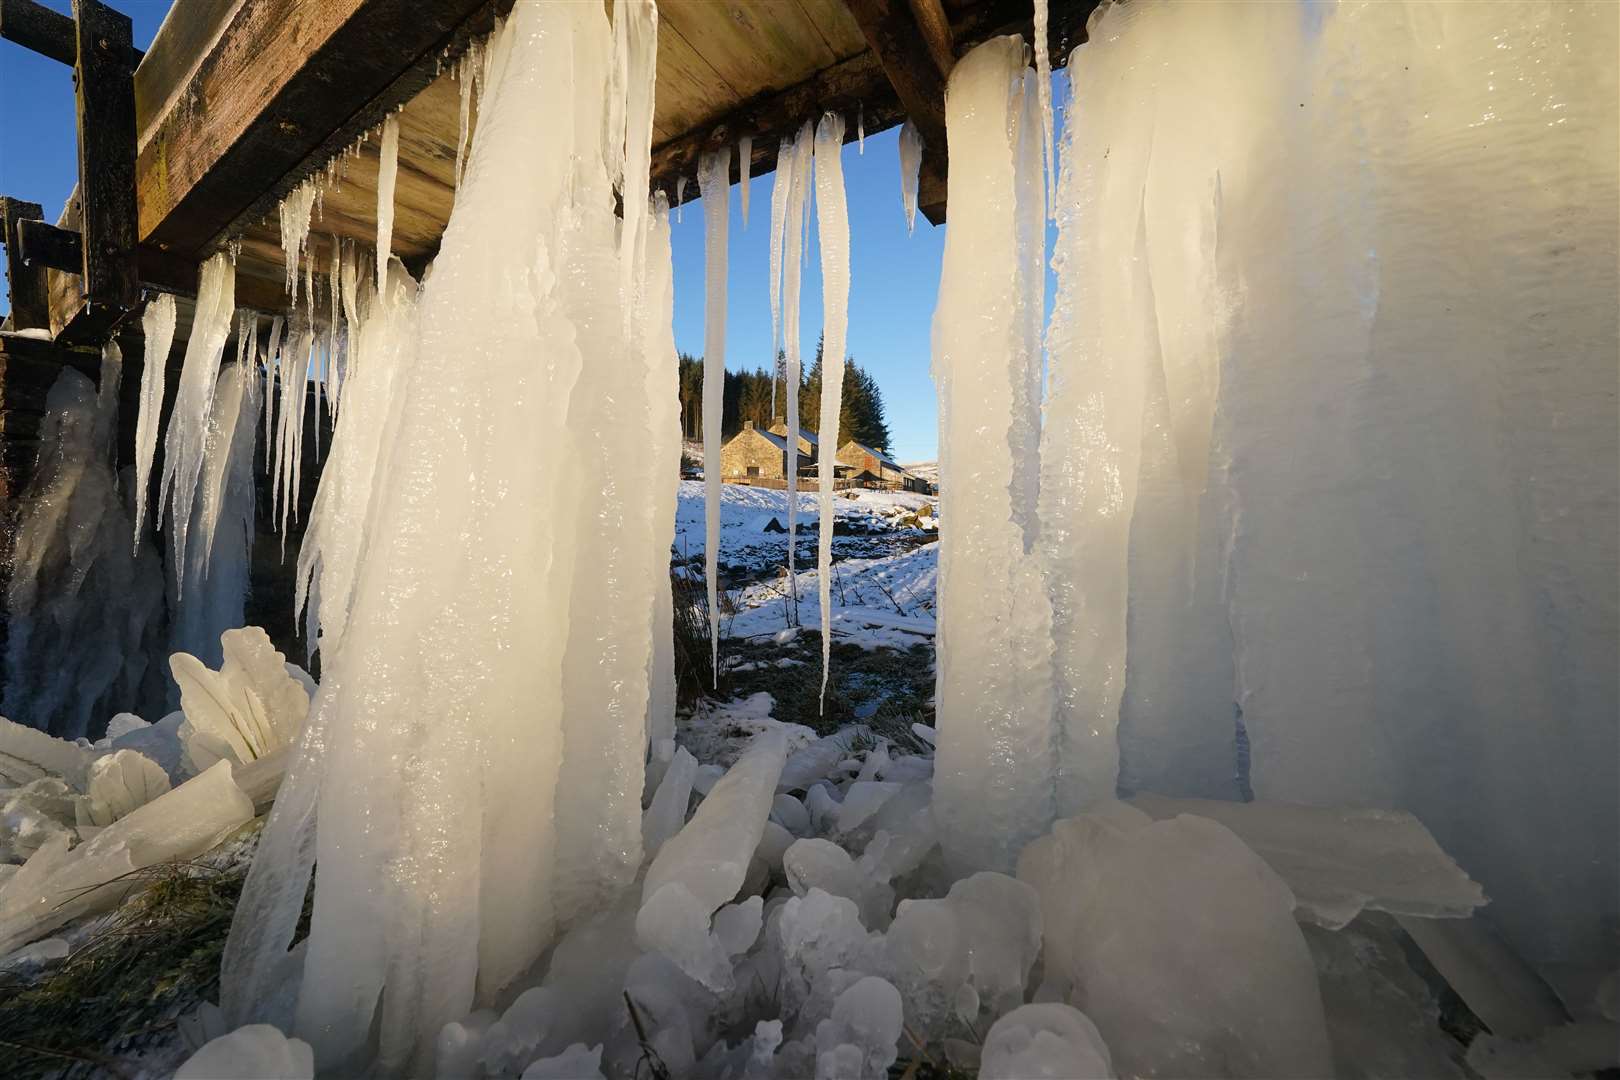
{"type": "Point", "coordinates": [753, 470]}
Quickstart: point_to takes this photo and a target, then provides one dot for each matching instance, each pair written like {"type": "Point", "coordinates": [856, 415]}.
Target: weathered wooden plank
{"type": "Point", "coordinates": [287, 85]}
{"type": "Point", "coordinates": [105, 93]}
{"type": "Point", "coordinates": [893, 35]}
{"type": "Point", "coordinates": [30, 302]}
{"type": "Point", "coordinates": [936, 33]}
{"type": "Point", "coordinates": [49, 33]}
{"type": "Point", "coordinates": [837, 29]}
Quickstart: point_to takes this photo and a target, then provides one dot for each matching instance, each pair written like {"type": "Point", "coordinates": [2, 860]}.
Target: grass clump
{"type": "Point", "coordinates": [143, 965]}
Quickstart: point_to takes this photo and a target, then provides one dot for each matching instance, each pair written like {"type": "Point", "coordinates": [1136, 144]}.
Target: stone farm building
{"type": "Point", "coordinates": [760, 457]}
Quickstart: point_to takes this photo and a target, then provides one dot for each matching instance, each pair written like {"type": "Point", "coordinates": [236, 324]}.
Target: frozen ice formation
{"type": "Point", "coordinates": [911, 148]}
{"type": "Point", "coordinates": [212, 555]}
{"type": "Point", "coordinates": [1339, 861]}
{"type": "Point", "coordinates": [57, 885]}
{"type": "Point", "coordinates": [832, 223]}
{"type": "Point", "coordinates": [715, 182]}
{"type": "Point", "coordinates": [247, 710]}
{"type": "Point", "coordinates": [860, 1037]}
{"type": "Point", "coordinates": [710, 856]}
{"type": "Point", "coordinates": [998, 752]}
{"type": "Point", "coordinates": [578, 1062]}
{"type": "Point", "coordinates": [1179, 942]}
{"type": "Point", "coordinates": [253, 1052]}
{"type": "Point", "coordinates": [387, 177]}
{"type": "Point", "coordinates": [185, 442]}
{"type": "Point", "coordinates": [83, 610]}
{"type": "Point", "coordinates": [448, 695]}
{"type": "Point", "coordinates": [117, 784]}
{"type": "Point", "coordinates": [157, 328]}
{"type": "Point", "coordinates": [1047, 1041]}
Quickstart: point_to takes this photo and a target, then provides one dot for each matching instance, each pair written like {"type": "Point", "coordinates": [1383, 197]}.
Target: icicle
{"type": "Point", "coordinates": [995, 773]}
{"type": "Point", "coordinates": [745, 171]}
{"type": "Point", "coordinates": [779, 202]}
{"type": "Point", "coordinates": [911, 149]}
{"type": "Point", "coordinates": [157, 326]}
{"type": "Point", "coordinates": [680, 197]}
{"type": "Point", "coordinates": [387, 174]}
{"type": "Point", "coordinates": [798, 203]}
{"type": "Point", "coordinates": [295, 211]}
{"type": "Point", "coordinates": [295, 362]}
{"type": "Point", "coordinates": [714, 183]}
{"type": "Point", "coordinates": [334, 369]}
{"type": "Point", "coordinates": [188, 425]}
{"type": "Point", "coordinates": [1043, 76]}
{"type": "Point", "coordinates": [464, 83]}
{"type": "Point", "coordinates": [832, 218]}
{"type": "Point", "coordinates": [663, 394]}
{"type": "Point", "coordinates": [217, 552]}
{"type": "Point", "coordinates": [271, 357]}
{"type": "Point", "coordinates": [860, 129]}
{"type": "Point", "coordinates": [635, 32]}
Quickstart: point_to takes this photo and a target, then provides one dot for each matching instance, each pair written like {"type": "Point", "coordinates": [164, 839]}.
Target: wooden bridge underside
{"type": "Point", "coordinates": [238, 101]}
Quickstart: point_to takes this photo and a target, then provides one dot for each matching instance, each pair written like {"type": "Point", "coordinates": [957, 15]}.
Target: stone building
{"type": "Point", "coordinates": [756, 456]}
{"type": "Point", "coordinates": [866, 467]}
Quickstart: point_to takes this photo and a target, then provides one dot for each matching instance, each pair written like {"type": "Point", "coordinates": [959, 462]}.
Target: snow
{"type": "Point", "coordinates": [998, 750]}
{"type": "Point", "coordinates": [157, 328]}
{"type": "Point", "coordinates": [715, 183]}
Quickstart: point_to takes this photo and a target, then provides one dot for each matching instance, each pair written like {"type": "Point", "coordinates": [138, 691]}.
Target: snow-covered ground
{"type": "Point", "coordinates": [886, 601]}
{"type": "Point", "coordinates": [869, 524]}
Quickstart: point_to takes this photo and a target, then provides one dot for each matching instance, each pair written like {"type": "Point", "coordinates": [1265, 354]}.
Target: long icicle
{"type": "Point", "coordinates": [270, 357]}
{"type": "Point", "coordinates": [797, 216]}
{"type": "Point", "coordinates": [714, 183]}
{"type": "Point", "coordinates": [157, 325]}
{"type": "Point", "coordinates": [188, 424]}
{"type": "Point", "coordinates": [832, 219]}
{"type": "Point", "coordinates": [745, 167]}
{"type": "Point", "coordinates": [387, 175]}
{"type": "Point", "coordinates": [779, 201]}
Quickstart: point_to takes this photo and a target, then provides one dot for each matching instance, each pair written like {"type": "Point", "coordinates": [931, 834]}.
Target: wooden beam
{"type": "Point", "coordinates": [30, 302]}
{"type": "Point", "coordinates": [39, 29]}
{"type": "Point", "coordinates": [105, 92]}
{"type": "Point", "coordinates": [936, 34]}
{"type": "Point", "coordinates": [854, 84]}
{"type": "Point", "coordinates": [287, 85]}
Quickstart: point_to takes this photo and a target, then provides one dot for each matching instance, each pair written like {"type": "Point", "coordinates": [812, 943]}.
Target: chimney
{"type": "Point", "coordinates": [748, 425]}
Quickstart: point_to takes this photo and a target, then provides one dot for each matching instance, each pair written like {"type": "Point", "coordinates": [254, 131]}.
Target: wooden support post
{"type": "Point", "coordinates": [39, 29]}
{"type": "Point", "coordinates": [901, 46]}
{"type": "Point", "coordinates": [30, 303]}
{"type": "Point", "coordinates": [936, 34]}
{"type": "Point", "coordinates": [105, 90]}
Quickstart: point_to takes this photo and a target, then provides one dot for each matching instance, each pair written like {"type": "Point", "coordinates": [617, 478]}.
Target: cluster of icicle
{"type": "Point", "coordinates": [486, 613]}
{"type": "Point", "coordinates": [83, 607]}
{"type": "Point", "coordinates": [809, 172]}
{"type": "Point", "coordinates": [1328, 435]}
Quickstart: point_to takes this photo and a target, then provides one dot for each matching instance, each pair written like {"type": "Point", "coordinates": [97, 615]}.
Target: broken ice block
{"type": "Point", "coordinates": [1180, 944]}
{"type": "Point", "coordinates": [118, 784]}
{"type": "Point", "coordinates": [57, 885]}
{"type": "Point", "coordinates": [710, 855]}
{"type": "Point", "coordinates": [860, 1037]}
{"type": "Point", "coordinates": [1044, 1042]}
{"type": "Point", "coordinates": [254, 1052]}
{"type": "Point", "coordinates": [248, 709]}
{"type": "Point", "coordinates": [1339, 861]}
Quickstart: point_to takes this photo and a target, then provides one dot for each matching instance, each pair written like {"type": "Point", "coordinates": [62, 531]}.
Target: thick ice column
{"type": "Point", "coordinates": [994, 781]}
{"type": "Point", "coordinates": [157, 326]}
{"type": "Point", "coordinates": [664, 446]}
{"type": "Point", "coordinates": [715, 182]}
{"type": "Point", "coordinates": [832, 219]}
{"type": "Point", "coordinates": [432, 753]}
{"type": "Point", "coordinates": [607, 661]}
{"type": "Point", "coordinates": [188, 423]}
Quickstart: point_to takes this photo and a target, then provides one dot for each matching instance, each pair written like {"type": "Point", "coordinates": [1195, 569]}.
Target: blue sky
{"type": "Point", "coordinates": [894, 277]}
